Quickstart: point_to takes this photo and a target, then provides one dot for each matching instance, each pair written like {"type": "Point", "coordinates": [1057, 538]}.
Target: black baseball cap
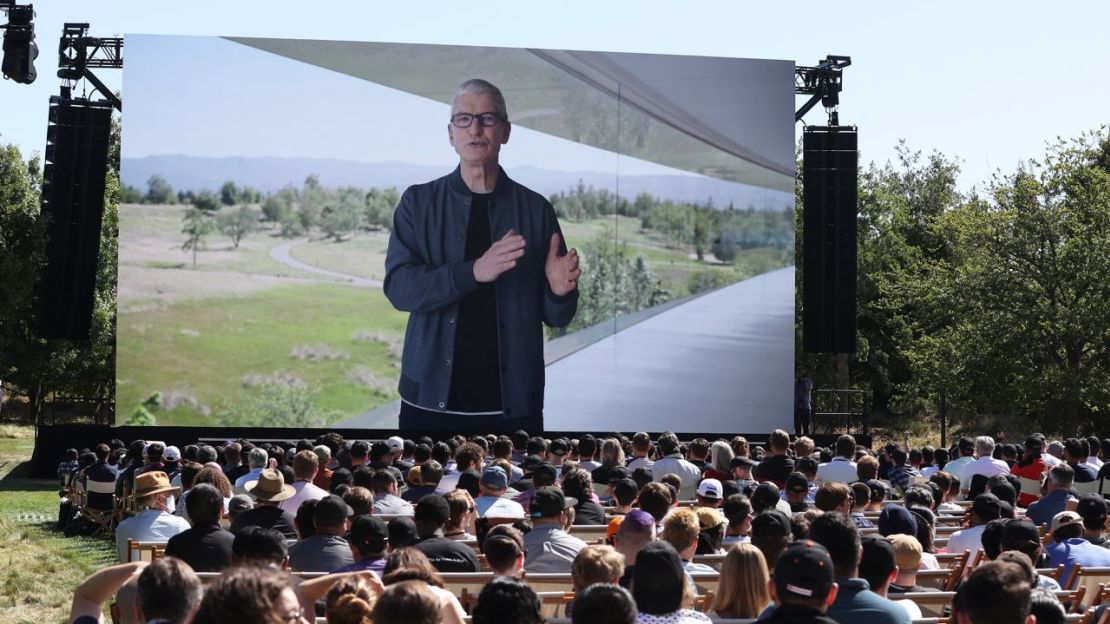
{"type": "Point", "coordinates": [804, 569]}
{"type": "Point", "coordinates": [433, 510]}
{"type": "Point", "coordinates": [765, 496]}
{"type": "Point", "coordinates": [797, 482]}
{"type": "Point", "coordinates": [331, 510]}
{"type": "Point", "coordinates": [1019, 533]}
{"type": "Point", "coordinates": [987, 506]}
{"type": "Point", "coordinates": [1092, 506]}
{"type": "Point", "coordinates": [617, 473]}
{"type": "Point", "coordinates": [548, 502]}
{"type": "Point", "coordinates": [401, 532]}
{"type": "Point", "coordinates": [877, 560]}
{"type": "Point", "coordinates": [559, 447]}
{"type": "Point", "coordinates": [369, 529]}
{"type": "Point", "coordinates": [530, 462]}
{"type": "Point", "coordinates": [770, 523]}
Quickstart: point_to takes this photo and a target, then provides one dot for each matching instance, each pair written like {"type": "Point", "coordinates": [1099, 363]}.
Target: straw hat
{"type": "Point", "coordinates": [154, 482]}
{"type": "Point", "coordinates": [270, 486]}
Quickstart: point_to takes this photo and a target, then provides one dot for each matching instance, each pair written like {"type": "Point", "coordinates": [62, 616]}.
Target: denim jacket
{"type": "Point", "coordinates": [427, 276]}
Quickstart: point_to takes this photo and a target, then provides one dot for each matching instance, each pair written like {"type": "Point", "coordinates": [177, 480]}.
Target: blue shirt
{"type": "Point", "coordinates": [1076, 550]}
{"type": "Point", "coordinates": [1042, 511]}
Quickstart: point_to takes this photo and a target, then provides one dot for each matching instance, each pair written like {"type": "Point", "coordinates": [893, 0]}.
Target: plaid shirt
{"type": "Point", "coordinates": [66, 467]}
{"type": "Point", "coordinates": [899, 476]}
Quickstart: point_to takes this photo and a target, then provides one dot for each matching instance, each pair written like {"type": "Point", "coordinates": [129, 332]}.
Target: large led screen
{"type": "Point", "coordinates": [261, 179]}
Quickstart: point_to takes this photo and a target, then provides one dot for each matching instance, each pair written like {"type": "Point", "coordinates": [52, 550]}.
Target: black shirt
{"type": "Point", "coordinates": [797, 614]}
{"type": "Point", "coordinates": [588, 512]}
{"type": "Point", "coordinates": [414, 494]}
{"type": "Point", "coordinates": [204, 548]}
{"type": "Point", "coordinates": [447, 555]}
{"type": "Point", "coordinates": [476, 369]}
{"type": "Point", "coordinates": [267, 517]}
{"type": "Point", "coordinates": [775, 468]}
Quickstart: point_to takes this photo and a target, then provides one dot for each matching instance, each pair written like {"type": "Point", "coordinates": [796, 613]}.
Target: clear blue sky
{"type": "Point", "coordinates": [988, 82]}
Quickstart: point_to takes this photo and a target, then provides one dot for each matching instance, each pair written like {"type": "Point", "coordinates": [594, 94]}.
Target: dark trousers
{"type": "Point", "coordinates": [803, 419]}
{"type": "Point", "coordinates": [418, 419]}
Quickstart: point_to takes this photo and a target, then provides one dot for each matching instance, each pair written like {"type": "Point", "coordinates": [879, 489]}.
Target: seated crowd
{"type": "Point", "coordinates": [357, 531]}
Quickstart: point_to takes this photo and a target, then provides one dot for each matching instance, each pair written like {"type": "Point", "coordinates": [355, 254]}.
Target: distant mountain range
{"type": "Point", "coordinates": [270, 174]}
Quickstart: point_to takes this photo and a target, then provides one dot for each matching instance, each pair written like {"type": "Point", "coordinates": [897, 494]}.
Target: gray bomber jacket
{"type": "Point", "coordinates": [426, 276]}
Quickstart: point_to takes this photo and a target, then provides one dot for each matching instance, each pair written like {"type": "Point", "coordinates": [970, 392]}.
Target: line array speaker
{"type": "Point", "coordinates": [73, 203]}
{"type": "Point", "coordinates": [829, 195]}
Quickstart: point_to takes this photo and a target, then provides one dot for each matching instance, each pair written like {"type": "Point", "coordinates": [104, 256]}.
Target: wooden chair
{"type": "Point", "coordinates": [935, 578]}
{"type": "Point", "coordinates": [713, 561]}
{"type": "Point", "coordinates": [932, 604]}
{"type": "Point", "coordinates": [1030, 487]}
{"type": "Point", "coordinates": [103, 519]}
{"type": "Point", "coordinates": [1088, 578]}
{"type": "Point", "coordinates": [956, 571]}
{"type": "Point", "coordinates": [704, 602]}
{"type": "Point", "coordinates": [145, 551]}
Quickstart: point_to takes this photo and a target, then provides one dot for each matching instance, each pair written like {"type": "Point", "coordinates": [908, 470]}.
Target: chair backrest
{"type": "Point", "coordinates": [1090, 578]}
{"type": "Point", "coordinates": [1091, 487]}
{"type": "Point", "coordinates": [933, 578]}
{"type": "Point", "coordinates": [1030, 487]}
{"type": "Point", "coordinates": [932, 604]}
{"type": "Point", "coordinates": [145, 551]}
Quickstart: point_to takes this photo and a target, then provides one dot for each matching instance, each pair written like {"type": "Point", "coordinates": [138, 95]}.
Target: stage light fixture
{"type": "Point", "coordinates": [20, 49]}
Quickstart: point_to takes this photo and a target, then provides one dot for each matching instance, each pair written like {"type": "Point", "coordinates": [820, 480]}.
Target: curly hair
{"type": "Point", "coordinates": [214, 476]}
{"type": "Point", "coordinates": [350, 601]}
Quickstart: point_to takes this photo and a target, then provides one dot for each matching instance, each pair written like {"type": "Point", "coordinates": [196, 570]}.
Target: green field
{"type": "Point", "coordinates": [202, 351]}
{"type": "Point", "coordinates": [246, 325]}
{"type": "Point", "coordinates": [39, 567]}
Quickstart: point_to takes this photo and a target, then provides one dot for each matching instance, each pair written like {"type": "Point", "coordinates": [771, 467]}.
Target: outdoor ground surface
{"type": "Point", "coordinates": [206, 337]}
{"type": "Point", "coordinates": [39, 567]}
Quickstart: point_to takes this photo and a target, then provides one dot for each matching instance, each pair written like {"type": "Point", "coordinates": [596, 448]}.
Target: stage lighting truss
{"type": "Point", "coordinates": [823, 83]}
{"type": "Point", "coordinates": [78, 52]}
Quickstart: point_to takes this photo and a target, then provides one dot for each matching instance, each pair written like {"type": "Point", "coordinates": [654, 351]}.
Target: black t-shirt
{"type": "Point", "coordinates": [267, 517]}
{"type": "Point", "coordinates": [447, 555]}
{"type": "Point", "coordinates": [204, 548]}
{"type": "Point", "coordinates": [588, 512]}
{"type": "Point", "coordinates": [775, 468]}
{"type": "Point", "coordinates": [476, 367]}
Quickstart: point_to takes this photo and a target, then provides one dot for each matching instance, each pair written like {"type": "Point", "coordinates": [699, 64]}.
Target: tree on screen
{"type": "Point", "coordinates": [237, 223]}
{"type": "Point", "coordinates": [197, 225]}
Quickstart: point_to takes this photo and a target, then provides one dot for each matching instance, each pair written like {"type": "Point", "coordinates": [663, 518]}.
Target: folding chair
{"type": "Point", "coordinates": [1030, 487]}
{"type": "Point", "coordinates": [104, 519]}
{"type": "Point", "coordinates": [145, 551]}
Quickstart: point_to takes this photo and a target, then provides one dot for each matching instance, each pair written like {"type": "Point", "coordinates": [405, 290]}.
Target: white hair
{"type": "Point", "coordinates": [984, 445]}
{"type": "Point", "coordinates": [477, 86]}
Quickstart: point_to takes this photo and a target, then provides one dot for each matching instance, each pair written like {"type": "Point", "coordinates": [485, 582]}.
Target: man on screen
{"type": "Point", "coordinates": [479, 262]}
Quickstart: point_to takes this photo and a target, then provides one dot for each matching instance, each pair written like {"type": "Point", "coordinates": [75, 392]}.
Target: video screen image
{"type": "Point", "coordinates": [260, 182]}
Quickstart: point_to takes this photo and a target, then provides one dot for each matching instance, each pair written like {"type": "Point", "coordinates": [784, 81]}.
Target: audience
{"type": "Point", "coordinates": [506, 600]}
{"type": "Point", "coordinates": [268, 492]}
{"type": "Point", "coordinates": [804, 586]}
{"type": "Point", "coordinates": [1057, 497]}
{"type": "Point", "coordinates": [153, 522]}
{"type": "Point", "coordinates": [660, 588]}
{"type": "Point", "coordinates": [445, 554]}
{"type": "Point", "coordinates": [603, 603]}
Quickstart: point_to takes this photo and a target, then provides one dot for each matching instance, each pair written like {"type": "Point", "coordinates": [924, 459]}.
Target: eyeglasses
{"type": "Point", "coordinates": [486, 120]}
{"type": "Point", "coordinates": [295, 617]}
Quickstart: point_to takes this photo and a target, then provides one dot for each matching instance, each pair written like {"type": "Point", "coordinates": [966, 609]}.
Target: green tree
{"type": "Point", "coordinates": [207, 202]}
{"type": "Point", "coordinates": [230, 194]}
{"type": "Point", "coordinates": [159, 191]}
{"type": "Point", "coordinates": [237, 223]}
{"type": "Point", "coordinates": [130, 195]}
{"type": "Point", "coordinates": [343, 216]}
{"type": "Point", "coordinates": [279, 206]}
{"type": "Point", "coordinates": [197, 225]}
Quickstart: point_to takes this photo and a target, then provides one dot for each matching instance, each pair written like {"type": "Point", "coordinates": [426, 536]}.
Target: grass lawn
{"type": "Point", "coordinates": [201, 352]}
{"type": "Point", "coordinates": [39, 567]}
{"type": "Point", "coordinates": [362, 255]}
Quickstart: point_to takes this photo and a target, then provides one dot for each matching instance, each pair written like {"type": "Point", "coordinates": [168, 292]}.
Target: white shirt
{"type": "Point", "coordinates": [689, 473]}
{"type": "Point", "coordinates": [839, 470]}
{"type": "Point", "coordinates": [149, 525]}
{"type": "Point", "coordinates": [929, 471]}
{"type": "Point", "coordinates": [305, 491]}
{"type": "Point", "coordinates": [589, 465]}
{"type": "Point", "coordinates": [448, 483]}
{"type": "Point", "coordinates": [1094, 461]}
{"type": "Point", "coordinates": [1050, 461]}
{"type": "Point", "coordinates": [911, 608]}
{"type": "Point", "coordinates": [967, 539]}
{"type": "Point", "coordinates": [956, 468]}
{"type": "Point", "coordinates": [497, 507]}
{"type": "Point", "coordinates": [986, 466]}
{"type": "Point", "coordinates": [639, 462]}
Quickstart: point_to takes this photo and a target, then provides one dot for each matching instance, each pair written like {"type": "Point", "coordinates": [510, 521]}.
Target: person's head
{"type": "Point", "coordinates": [780, 441]}
{"type": "Point", "coordinates": [409, 601]}
{"type": "Point", "coordinates": [409, 564]}
{"type": "Point", "coordinates": [1061, 477]}
{"type": "Point", "coordinates": [167, 589]}
{"type": "Point", "coordinates": [578, 484]}
{"type": "Point", "coordinates": [255, 546]}
{"type": "Point", "coordinates": [655, 498]}
{"type": "Point", "coordinates": [504, 550]}
{"type": "Point", "coordinates": [984, 446]}
{"type": "Point", "coordinates": [302, 519]}
{"type": "Point", "coordinates": [1093, 509]}
{"type": "Point", "coordinates": [604, 603]}
{"type": "Point", "coordinates": [204, 505]}
{"type": "Point", "coordinates": [431, 514]}
{"type": "Point", "coordinates": [711, 530]}
{"type": "Point", "coordinates": [624, 492]}
{"type": "Point", "coordinates": [506, 600]}
{"type": "Point", "coordinates": [461, 506]}
{"type": "Point", "coordinates": [897, 519]}
{"type": "Point", "coordinates": [659, 581]}
{"type": "Point", "coordinates": [368, 538]}
{"type": "Point", "coordinates": [1066, 525]}
{"type": "Point", "coordinates": [804, 575]}
{"type": "Point", "coordinates": [635, 531]}
{"type": "Point", "coordinates": [833, 496]}
{"type": "Point", "coordinates": [596, 563]}
{"type": "Point", "coordinates": [249, 595]}
{"type": "Point", "coordinates": [839, 535]}
{"type": "Point", "coordinates": [680, 529]}
{"type": "Point", "coordinates": [257, 458]}
{"type": "Point", "coordinates": [867, 468]}
{"type": "Point", "coordinates": [861, 494]}
{"type": "Point", "coordinates": [1021, 535]}
{"type": "Point", "coordinates": [549, 505]}
{"type": "Point", "coordinates": [431, 472]}
{"type": "Point", "coordinates": [668, 443]}
{"type": "Point", "coordinates": [996, 592]}
{"type": "Point", "coordinates": [710, 493]}
{"type": "Point", "coordinates": [771, 533]}
{"type": "Point", "coordinates": [305, 465]}
{"type": "Point", "coordinates": [1045, 607]}
{"type": "Point", "coordinates": [479, 123]}
{"type": "Point", "coordinates": [907, 556]}
{"type": "Point", "coordinates": [878, 563]}
{"type": "Point", "coordinates": [350, 601]}
{"type": "Point", "coordinates": [738, 511]}
{"type": "Point", "coordinates": [720, 456]}
{"type": "Point", "coordinates": [402, 532]}
{"type": "Point", "coordinates": [331, 515]}
{"type": "Point", "coordinates": [765, 496]}
{"type": "Point", "coordinates": [742, 590]}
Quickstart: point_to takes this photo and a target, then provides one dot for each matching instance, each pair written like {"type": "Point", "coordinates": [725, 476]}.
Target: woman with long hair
{"type": "Point", "coordinates": [612, 456]}
{"type": "Point", "coordinates": [720, 460]}
{"type": "Point", "coordinates": [742, 589]}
